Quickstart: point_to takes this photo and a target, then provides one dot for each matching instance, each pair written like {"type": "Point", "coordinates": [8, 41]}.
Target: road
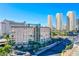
{"type": "Point", "coordinates": [54, 48]}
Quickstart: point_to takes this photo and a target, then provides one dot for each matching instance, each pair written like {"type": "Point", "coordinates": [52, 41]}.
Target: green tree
{"type": "Point", "coordinates": [5, 50]}
{"type": "Point", "coordinates": [7, 37]}
{"type": "Point", "coordinates": [11, 42]}
{"type": "Point", "coordinates": [54, 33]}
{"type": "Point", "coordinates": [1, 51]}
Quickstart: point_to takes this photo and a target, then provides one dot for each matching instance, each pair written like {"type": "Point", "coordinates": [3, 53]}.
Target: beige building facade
{"type": "Point", "coordinates": [44, 33]}
{"type": "Point", "coordinates": [21, 32]}
{"type": "Point", "coordinates": [50, 22]}
{"type": "Point", "coordinates": [59, 21]}
{"type": "Point", "coordinates": [71, 21]}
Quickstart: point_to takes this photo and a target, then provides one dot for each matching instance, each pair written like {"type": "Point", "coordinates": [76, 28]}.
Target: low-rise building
{"type": "Point", "coordinates": [2, 28]}
{"type": "Point", "coordinates": [45, 33]}
{"type": "Point", "coordinates": [22, 32]}
{"type": "Point", "coordinates": [25, 34]}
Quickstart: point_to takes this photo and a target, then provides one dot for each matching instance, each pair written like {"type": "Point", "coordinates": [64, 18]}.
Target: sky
{"type": "Point", "coordinates": [36, 13]}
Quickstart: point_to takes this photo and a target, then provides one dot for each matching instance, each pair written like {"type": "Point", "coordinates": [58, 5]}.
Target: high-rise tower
{"type": "Point", "coordinates": [50, 22]}
{"type": "Point", "coordinates": [59, 21]}
{"type": "Point", "coordinates": [71, 21]}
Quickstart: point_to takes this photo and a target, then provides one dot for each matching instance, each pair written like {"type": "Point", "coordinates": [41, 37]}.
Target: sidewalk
{"type": "Point", "coordinates": [72, 52]}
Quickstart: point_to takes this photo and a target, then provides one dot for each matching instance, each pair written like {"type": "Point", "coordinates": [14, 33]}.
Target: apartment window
{"type": "Point", "coordinates": [41, 35]}
{"type": "Point", "coordinates": [31, 35]}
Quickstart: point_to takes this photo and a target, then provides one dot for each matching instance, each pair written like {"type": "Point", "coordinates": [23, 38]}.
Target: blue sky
{"type": "Point", "coordinates": [36, 13]}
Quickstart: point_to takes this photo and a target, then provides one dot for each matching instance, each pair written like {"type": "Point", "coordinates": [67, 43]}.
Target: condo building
{"type": "Point", "coordinates": [78, 24]}
{"type": "Point", "coordinates": [59, 21]}
{"type": "Point", "coordinates": [64, 27]}
{"type": "Point", "coordinates": [5, 26]}
{"type": "Point", "coordinates": [21, 32]}
{"type": "Point", "coordinates": [44, 34]}
{"type": "Point", "coordinates": [2, 28]}
{"type": "Point", "coordinates": [71, 21]}
{"type": "Point", "coordinates": [50, 22]}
